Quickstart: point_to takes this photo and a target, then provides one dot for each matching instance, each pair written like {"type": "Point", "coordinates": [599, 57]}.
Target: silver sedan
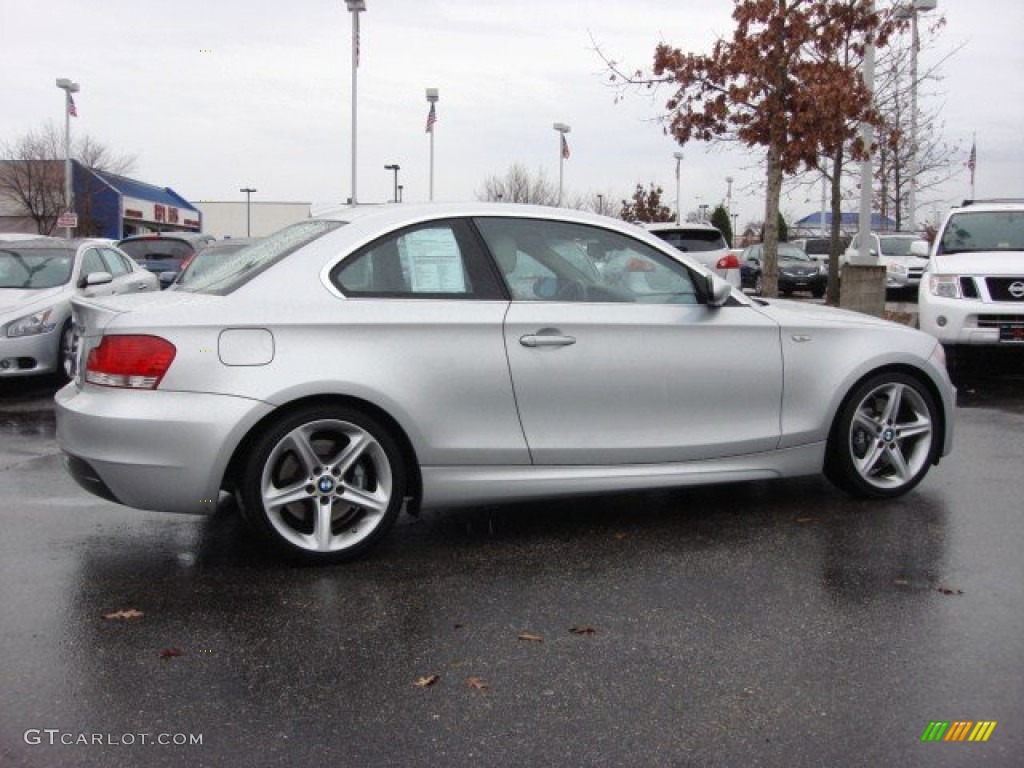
{"type": "Point", "coordinates": [433, 356]}
{"type": "Point", "coordinates": [38, 279]}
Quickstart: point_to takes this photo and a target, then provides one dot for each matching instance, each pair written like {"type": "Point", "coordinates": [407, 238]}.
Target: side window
{"type": "Point", "coordinates": [91, 262]}
{"type": "Point", "coordinates": [433, 260]}
{"type": "Point", "coordinates": [543, 260]}
{"type": "Point", "coordinates": [115, 264]}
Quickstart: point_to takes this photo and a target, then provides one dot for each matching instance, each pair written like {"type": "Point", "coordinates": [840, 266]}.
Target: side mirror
{"type": "Point", "coordinates": [166, 278]}
{"type": "Point", "coordinates": [95, 278]}
{"type": "Point", "coordinates": [719, 291]}
{"type": "Point", "coordinates": [920, 248]}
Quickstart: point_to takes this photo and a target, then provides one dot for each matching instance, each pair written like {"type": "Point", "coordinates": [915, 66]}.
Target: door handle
{"type": "Point", "coordinates": [546, 340]}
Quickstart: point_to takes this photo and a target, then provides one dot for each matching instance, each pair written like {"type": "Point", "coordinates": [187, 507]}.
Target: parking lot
{"type": "Point", "coordinates": [771, 624]}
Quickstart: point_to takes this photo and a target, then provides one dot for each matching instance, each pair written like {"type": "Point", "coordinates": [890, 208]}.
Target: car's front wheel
{"type": "Point", "coordinates": [324, 483]}
{"type": "Point", "coordinates": [885, 437]}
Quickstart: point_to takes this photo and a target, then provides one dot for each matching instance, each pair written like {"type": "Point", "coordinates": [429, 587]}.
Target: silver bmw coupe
{"type": "Point", "coordinates": [442, 355]}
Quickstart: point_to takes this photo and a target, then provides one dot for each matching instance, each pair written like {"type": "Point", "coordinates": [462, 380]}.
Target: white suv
{"type": "Point", "coordinates": [702, 242]}
{"type": "Point", "coordinates": [903, 254]}
{"type": "Point", "coordinates": [973, 291]}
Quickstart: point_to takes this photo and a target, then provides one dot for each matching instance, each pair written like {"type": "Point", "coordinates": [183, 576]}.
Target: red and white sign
{"type": "Point", "coordinates": [69, 220]}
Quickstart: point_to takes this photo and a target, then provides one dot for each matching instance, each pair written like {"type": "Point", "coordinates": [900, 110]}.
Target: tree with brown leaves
{"type": "Point", "coordinates": [778, 84]}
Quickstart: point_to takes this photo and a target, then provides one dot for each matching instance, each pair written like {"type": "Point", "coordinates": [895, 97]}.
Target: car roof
{"type": "Point", "coordinates": [49, 243]}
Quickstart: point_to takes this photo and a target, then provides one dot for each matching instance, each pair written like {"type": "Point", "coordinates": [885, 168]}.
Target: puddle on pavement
{"type": "Point", "coordinates": [28, 424]}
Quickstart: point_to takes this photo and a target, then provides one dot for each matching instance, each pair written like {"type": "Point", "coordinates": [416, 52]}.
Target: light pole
{"type": "Point", "coordinates": [563, 153]}
{"type": "Point", "coordinates": [910, 10]}
{"type": "Point", "coordinates": [355, 7]}
{"type": "Point", "coordinates": [396, 168]}
{"type": "Point", "coordinates": [735, 220]}
{"type": "Point", "coordinates": [679, 159]}
{"type": "Point", "coordinates": [600, 203]}
{"type": "Point", "coordinates": [867, 166]}
{"type": "Point", "coordinates": [728, 204]}
{"type": "Point", "coordinates": [68, 87]}
{"type": "Point", "coordinates": [248, 209]}
{"type": "Point", "coordinates": [432, 99]}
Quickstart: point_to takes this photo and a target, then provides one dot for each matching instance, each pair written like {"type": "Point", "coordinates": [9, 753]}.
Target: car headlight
{"type": "Point", "coordinates": [897, 269]}
{"type": "Point", "coordinates": [31, 325]}
{"type": "Point", "coordinates": [944, 286]}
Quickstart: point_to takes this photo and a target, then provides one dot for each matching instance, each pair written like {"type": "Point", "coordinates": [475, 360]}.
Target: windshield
{"type": "Point", "coordinates": [156, 249]}
{"type": "Point", "coordinates": [792, 253]}
{"type": "Point", "coordinates": [973, 231]}
{"type": "Point", "coordinates": [35, 268]}
{"type": "Point", "coordinates": [898, 246]}
{"type": "Point", "coordinates": [238, 268]}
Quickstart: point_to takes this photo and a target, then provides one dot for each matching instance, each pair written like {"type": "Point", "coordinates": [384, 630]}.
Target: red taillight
{"type": "Point", "coordinates": [137, 362]}
{"type": "Point", "coordinates": [729, 261]}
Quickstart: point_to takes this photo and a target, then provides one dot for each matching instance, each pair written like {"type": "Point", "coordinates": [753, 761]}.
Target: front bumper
{"type": "Point", "coordinates": [164, 451]}
{"type": "Point", "coordinates": [29, 355]}
{"type": "Point", "coordinates": [971, 322]}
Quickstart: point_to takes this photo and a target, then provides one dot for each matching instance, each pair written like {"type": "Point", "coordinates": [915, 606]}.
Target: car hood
{"type": "Point", "coordinates": [979, 262]}
{"type": "Point", "coordinates": [799, 313]}
{"type": "Point", "coordinates": [907, 261]}
{"type": "Point", "coordinates": [12, 299]}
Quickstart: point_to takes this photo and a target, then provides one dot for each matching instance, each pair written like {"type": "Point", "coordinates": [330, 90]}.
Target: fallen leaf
{"type": "Point", "coordinates": [620, 536]}
{"type": "Point", "coordinates": [583, 630]}
{"type": "Point", "coordinates": [124, 614]}
{"type": "Point", "coordinates": [948, 591]}
{"type": "Point", "coordinates": [426, 682]}
{"type": "Point", "coordinates": [805, 519]}
{"type": "Point", "coordinates": [170, 653]}
{"type": "Point", "coordinates": [477, 683]}
{"type": "Point", "coordinates": [901, 582]}
{"type": "Point", "coordinates": [531, 638]}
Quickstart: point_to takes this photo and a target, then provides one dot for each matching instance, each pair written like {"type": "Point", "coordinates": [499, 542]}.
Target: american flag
{"type": "Point", "coordinates": [565, 148]}
{"type": "Point", "coordinates": [431, 118]}
{"type": "Point", "coordinates": [71, 107]}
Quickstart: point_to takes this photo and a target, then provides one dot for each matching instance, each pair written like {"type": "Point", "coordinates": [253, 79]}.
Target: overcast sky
{"type": "Point", "coordinates": [214, 96]}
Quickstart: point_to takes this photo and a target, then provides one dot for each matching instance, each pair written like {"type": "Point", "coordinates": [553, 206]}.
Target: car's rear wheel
{"type": "Point", "coordinates": [324, 483]}
{"type": "Point", "coordinates": [885, 437]}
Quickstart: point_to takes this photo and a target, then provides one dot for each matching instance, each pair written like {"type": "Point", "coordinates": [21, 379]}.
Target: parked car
{"type": "Point", "coordinates": [904, 256]}
{"type": "Point", "coordinates": [704, 243]}
{"type": "Point", "coordinates": [973, 291]}
{"type": "Point", "coordinates": [38, 278]}
{"type": "Point", "coordinates": [796, 271]}
{"type": "Point", "coordinates": [344, 371]}
{"type": "Point", "coordinates": [209, 256]}
{"type": "Point", "coordinates": [164, 253]}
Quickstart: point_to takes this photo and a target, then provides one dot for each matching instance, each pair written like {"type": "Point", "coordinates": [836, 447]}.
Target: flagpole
{"type": "Point", "coordinates": [974, 161]}
{"type": "Point", "coordinates": [356, 7]}
{"type": "Point", "coordinates": [432, 98]}
{"type": "Point", "coordinates": [562, 129]}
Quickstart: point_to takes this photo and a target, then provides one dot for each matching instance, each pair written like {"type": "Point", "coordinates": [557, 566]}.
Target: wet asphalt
{"type": "Point", "coordinates": [760, 624]}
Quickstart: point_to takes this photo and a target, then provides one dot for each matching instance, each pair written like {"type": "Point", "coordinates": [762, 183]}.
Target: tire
{"type": "Point", "coordinates": [324, 484]}
{"type": "Point", "coordinates": [66, 352]}
{"type": "Point", "coordinates": [817, 292]}
{"type": "Point", "coordinates": [885, 437]}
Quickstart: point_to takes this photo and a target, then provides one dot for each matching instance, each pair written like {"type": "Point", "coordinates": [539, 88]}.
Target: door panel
{"type": "Point", "coordinates": [643, 383]}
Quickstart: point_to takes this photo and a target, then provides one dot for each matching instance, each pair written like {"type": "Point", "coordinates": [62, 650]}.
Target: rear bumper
{"type": "Point", "coordinates": [164, 451]}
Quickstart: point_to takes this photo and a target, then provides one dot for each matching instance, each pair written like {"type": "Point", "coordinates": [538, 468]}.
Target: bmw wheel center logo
{"type": "Point", "coordinates": [326, 484]}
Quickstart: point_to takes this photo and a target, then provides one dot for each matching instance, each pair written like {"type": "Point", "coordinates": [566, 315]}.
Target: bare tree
{"type": "Point", "coordinates": [518, 186]}
{"type": "Point", "coordinates": [32, 173]}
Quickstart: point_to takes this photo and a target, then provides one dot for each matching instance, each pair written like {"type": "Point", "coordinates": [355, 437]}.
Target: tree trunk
{"type": "Point", "coordinates": [834, 251]}
{"type": "Point", "coordinates": [769, 266]}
